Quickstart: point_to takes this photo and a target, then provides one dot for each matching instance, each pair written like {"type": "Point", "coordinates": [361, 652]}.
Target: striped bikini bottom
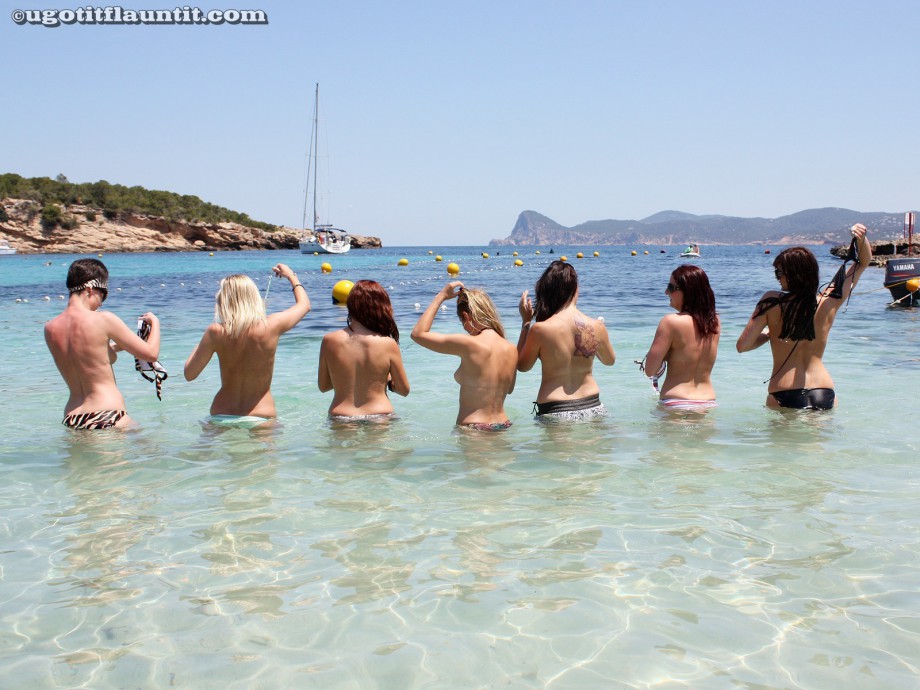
{"type": "Point", "coordinates": [101, 419]}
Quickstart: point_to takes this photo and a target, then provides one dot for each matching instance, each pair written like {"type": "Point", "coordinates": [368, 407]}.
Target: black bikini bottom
{"type": "Point", "coordinates": [557, 406]}
{"type": "Point", "coordinates": [806, 398]}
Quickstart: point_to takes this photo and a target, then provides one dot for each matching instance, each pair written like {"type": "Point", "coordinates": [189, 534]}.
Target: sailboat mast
{"type": "Point", "coordinates": [315, 151]}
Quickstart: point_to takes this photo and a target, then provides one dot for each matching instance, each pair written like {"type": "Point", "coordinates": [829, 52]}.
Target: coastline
{"type": "Point", "coordinates": [91, 230]}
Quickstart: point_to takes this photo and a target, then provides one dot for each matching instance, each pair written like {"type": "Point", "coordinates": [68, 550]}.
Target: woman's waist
{"type": "Point", "coordinates": [556, 392]}
{"type": "Point", "coordinates": [99, 398]}
{"type": "Point", "coordinates": [796, 377]}
{"type": "Point", "coordinates": [688, 389]}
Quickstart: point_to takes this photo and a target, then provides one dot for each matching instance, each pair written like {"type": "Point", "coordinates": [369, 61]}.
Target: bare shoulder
{"type": "Point", "coordinates": [671, 321]}
{"type": "Point", "coordinates": [214, 331]}
{"type": "Point", "coordinates": [334, 336]}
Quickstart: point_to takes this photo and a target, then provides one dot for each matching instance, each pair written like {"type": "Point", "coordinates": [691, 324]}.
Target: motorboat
{"type": "Point", "coordinates": [691, 252]}
{"type": "Point", "coordinates": [5, 248]}
{"type": "Point", "coordinates": [902, 274]}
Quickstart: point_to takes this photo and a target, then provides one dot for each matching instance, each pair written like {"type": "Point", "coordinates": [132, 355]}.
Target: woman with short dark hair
{"type": "Point", "coordinates": [84, 342]}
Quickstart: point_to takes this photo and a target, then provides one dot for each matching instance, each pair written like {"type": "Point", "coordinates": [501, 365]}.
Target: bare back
{"type": "Point", "coordinates": [799, 363]}
{"type": "Point", "coordinates": [356, 364]}
{"type": "Point", "coordinates": [690, 359]}
{"type": "Point", "coordinates": [79, 343]}
{"type": "Point", "coordinates": [247, 364]}
{"type": "Point", "coordinates": [487, 372]}
{"type": "Point", "coordinates": [566, 345]}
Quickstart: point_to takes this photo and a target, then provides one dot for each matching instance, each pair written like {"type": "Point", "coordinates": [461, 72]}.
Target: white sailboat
{"type": "Point", "coordinates": [325, 239]}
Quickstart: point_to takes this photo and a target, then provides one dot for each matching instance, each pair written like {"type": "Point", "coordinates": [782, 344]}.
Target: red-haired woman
{"type": "Point", "coordinates": [362, 360]}
{"type": "Point", "coordinates": [687, 341]}
{"type": "Point", "coordinates": [797, 321]}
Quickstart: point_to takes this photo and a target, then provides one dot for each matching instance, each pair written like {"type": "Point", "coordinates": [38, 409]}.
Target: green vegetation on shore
{"type": "Point", "coordinates": [114, 199]}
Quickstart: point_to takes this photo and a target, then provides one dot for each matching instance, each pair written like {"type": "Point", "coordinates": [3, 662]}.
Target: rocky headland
{"type": "Point", "coordinates": [814, 226]}
{"type": "Point", "coordinates": [86, 229]}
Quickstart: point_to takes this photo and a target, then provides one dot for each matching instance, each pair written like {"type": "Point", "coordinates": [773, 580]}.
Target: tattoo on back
{"type": "Point", "coordinates": [585, 339]}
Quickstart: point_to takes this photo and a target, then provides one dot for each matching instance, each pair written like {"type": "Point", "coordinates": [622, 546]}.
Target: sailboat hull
{"type": "Point", "coordinates": [311, 247]}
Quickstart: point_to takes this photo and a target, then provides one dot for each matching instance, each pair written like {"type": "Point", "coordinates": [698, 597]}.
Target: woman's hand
{"type": "Point", "coordinates": [284, 271]}
{"type": "Point", "coordinates": [525, 308]}
{"type": "Point", "coordinates": [451, 290]}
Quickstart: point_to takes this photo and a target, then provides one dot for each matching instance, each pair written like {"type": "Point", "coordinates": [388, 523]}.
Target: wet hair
{"type": "Point", "coordinates": [699, 300]}
{"type": "Point", "coordinates": [238, 305]}
{"type": "Point", "coordinates": [369, 304]}
{"type": "Point", "coordinates": [481, 309]}
{"type": "Point", "coordinates": [83, 271]}
{"type": "Point", "coordinates": [797, 306]}
{"type": "Point", "coordinates": [554, 290]}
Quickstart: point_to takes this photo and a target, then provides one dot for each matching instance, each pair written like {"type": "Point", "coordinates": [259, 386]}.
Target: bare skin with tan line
{"type": "Point", "coordinates": [247, 360]}
{"type": "Point", "coordinates": [566, 344]}
{"type": "Point", "coordinates": [80, 341]}
{"type": "Point", "coordinates": [798, 364]}
{"type": "Point", "coordinates": [488, 362]}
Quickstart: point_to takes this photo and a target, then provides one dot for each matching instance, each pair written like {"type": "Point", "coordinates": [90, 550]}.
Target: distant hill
{"type": "Point", "coordinates": [814, 226]}
{"type": "Point", "coordinates": [113, 199]}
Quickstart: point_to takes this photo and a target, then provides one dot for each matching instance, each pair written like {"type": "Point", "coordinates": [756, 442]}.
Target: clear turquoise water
{"type": "Point", "coordinates": [747, 548]}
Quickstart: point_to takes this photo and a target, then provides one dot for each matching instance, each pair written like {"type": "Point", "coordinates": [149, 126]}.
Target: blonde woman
{"type": "Point", "coordinates": [488, 362]}
{"type": "Point", "coordinates": [245, 341]}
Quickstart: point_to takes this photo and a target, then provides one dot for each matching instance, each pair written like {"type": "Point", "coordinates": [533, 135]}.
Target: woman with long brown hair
{"type": "Point", "coordinates": [488, 362]}
{"type": "Point", "coordinates": [361, 361]}
{"type": "Point", "coordinates": [796, 321]}
{"type": "Point", "coordinates": [686, 342]}
{"type": "Point", "coordinates": [566, 342]}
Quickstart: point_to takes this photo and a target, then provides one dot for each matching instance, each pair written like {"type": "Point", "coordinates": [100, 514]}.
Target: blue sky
{"type": "Point", "coordinates": [441, 121]}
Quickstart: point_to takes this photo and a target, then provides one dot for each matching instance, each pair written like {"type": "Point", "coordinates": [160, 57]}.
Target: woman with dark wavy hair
{"type": "Point", "coordinates": [796, 321]}
{"type": "Point", "coordinates": [361, 361]}
{"type": "Point", "coordinates": [566, 342]}
{"type": "Point", "coordinates": [687, 342]}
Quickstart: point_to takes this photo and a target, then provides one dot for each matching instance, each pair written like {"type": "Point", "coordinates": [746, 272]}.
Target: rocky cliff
{"type": "Point", "coordinates": [83, 229]}
{"type": "Point", "coordinates": [814, 226]}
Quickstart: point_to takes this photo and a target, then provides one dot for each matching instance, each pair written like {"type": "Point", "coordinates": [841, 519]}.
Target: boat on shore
{"type": "Point", "coordinates": [902, 274]}
{"type": "Point", "coordinates": [5, 248]}
{"type": "Point", "coordinates": [322, 238]}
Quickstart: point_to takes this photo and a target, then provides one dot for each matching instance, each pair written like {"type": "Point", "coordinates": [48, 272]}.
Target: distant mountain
{"type": "Point", "coordinates": [814, 226]}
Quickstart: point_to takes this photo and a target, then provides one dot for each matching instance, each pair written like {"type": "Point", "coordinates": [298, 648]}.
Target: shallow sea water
{"type": "Point", "coordinates": [744, 548]}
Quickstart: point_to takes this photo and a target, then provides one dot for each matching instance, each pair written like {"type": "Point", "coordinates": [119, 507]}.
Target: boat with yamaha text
{"type": "Point", "coordinates": [902, 273]}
